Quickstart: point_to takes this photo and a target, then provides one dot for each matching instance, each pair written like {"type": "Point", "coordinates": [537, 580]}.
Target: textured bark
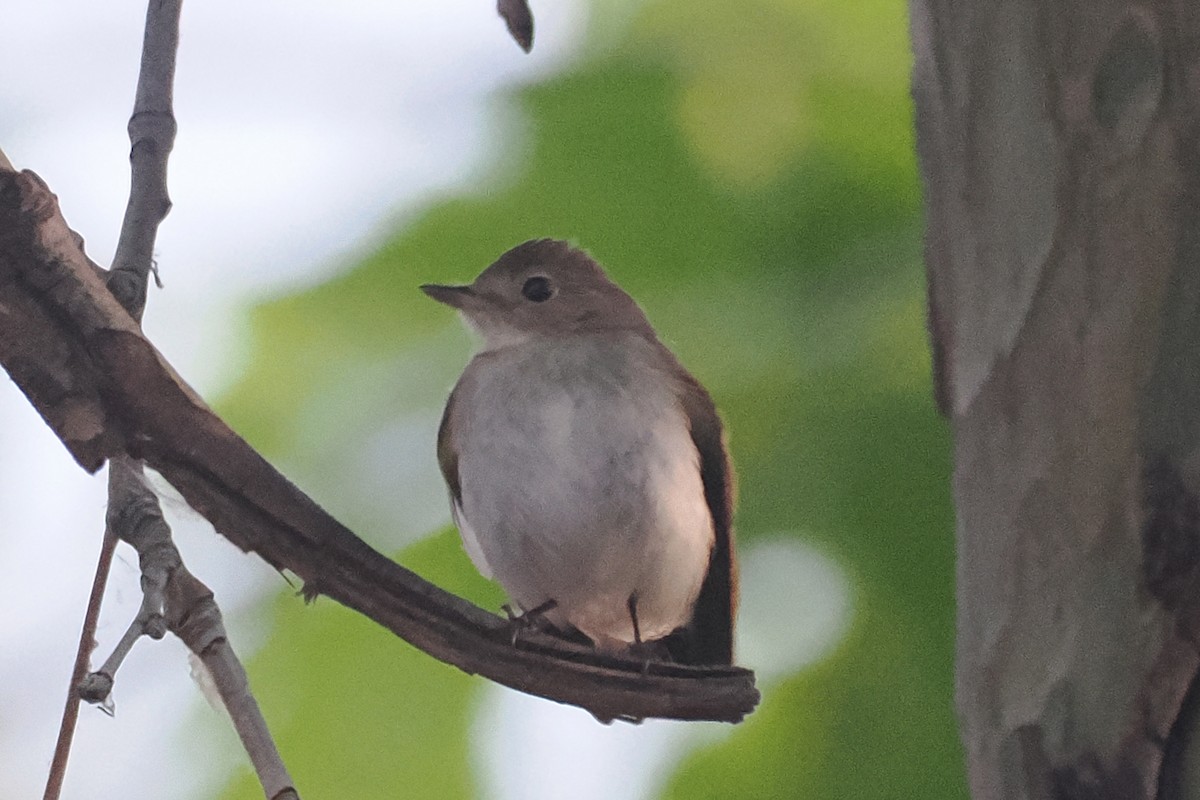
{"type": "Point", "coordinates": [1058, 146]}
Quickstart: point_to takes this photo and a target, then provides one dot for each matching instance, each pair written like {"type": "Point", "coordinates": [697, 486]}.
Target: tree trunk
{"type": "Point", "coordinates": [1058, 145]}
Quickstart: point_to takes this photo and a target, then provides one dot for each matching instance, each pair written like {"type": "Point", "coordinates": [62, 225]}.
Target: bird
{"type": "Point", "coordinates": [587, 469]}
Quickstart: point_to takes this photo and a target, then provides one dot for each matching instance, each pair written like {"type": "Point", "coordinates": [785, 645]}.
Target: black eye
{"type": "Point", "coordinates": [537, 289]}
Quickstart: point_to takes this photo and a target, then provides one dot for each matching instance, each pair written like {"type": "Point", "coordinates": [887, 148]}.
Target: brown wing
{"type": "Point", "coordinates": [447, 456]}
{"type": "Point", "coordinates": [448, 461]}
{"type": "Point", "coordinates": [708, 638]}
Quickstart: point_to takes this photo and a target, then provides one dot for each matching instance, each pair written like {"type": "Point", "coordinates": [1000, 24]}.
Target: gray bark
{"type": "Point", "coordinates": [1058, 147]}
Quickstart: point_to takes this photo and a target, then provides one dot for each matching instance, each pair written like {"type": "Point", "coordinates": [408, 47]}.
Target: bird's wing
{"type": "Point", "coordinates": [708, 638]}
{"type": "Point", "coordinates": [448, 461]}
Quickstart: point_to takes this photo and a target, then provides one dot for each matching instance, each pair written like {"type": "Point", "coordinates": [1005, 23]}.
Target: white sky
{"type": "Point", "coordinates": [306, 129]}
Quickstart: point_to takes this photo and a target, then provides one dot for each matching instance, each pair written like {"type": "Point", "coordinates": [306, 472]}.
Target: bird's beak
{"type": "Point", "coordinates": [459, 297]}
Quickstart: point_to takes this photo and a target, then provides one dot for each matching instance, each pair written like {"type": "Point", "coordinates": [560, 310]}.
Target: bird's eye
{"type": "Point", "coordinates": [538, 289]}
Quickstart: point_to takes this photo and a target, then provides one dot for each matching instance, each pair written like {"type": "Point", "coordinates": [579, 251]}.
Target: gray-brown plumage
{"type": "Point", "coordinates": [587, 468]}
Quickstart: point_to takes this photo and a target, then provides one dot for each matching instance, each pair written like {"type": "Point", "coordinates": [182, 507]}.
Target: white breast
{"type": "Point", "coordinates": [581, 484]}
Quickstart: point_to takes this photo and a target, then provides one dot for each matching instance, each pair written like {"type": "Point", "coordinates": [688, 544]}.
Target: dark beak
{"type": "Point", "coordinates": [453, 296]}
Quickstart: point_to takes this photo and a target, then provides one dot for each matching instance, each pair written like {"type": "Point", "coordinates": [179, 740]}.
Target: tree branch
{"type": "Point", "coordinates": [105, 391]}
{"type": "Point", "coordinates": [151, 137]}
{"type": "Point", "coordinates": [194, 617]}
{"type": "Point", "coordinates": [87, 641]}
{"type": "Point", "coordinates": [172, 597]}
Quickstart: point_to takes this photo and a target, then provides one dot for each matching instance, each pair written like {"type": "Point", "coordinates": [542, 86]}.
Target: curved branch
{"type": "Point", "coordinates": [106, 391]}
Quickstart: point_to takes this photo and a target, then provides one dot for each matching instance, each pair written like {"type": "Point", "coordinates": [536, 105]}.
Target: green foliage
{"type": "Point", "coordinates": [746, 171]}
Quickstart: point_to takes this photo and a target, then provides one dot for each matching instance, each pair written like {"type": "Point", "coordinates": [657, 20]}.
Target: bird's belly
{"type": "Point", "coordinates": [589, 507]}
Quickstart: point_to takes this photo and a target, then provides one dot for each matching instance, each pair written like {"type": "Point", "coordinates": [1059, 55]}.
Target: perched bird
{"type": "Point", "coordinates": [587, 468]}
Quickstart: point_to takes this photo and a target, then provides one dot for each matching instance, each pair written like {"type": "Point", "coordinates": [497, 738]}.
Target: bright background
{"type": "Point", "coordinates": [744, 169]}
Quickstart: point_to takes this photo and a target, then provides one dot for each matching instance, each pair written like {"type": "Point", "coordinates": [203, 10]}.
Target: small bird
{"type": "Point", "coordinates": [587, 468]}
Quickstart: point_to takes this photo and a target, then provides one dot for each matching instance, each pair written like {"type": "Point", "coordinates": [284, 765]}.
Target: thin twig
{"type": "Point", "coordinates": [135, 517]}
{"type": "Point", "coordinates": [176, 599]}
{"type": "Point", "coordinates": [194, 617]}
{"type": "Point", "coordinates": [151, 135]}
{"type": "Point", "coordinates": [87, 641]}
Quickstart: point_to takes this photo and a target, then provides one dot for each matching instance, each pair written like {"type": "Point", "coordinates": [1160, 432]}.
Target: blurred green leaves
{"type": "Point", "coordinates": [746, 171]}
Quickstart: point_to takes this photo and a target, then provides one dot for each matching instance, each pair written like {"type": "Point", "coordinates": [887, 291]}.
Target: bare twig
{"type": "Point", "coordinates": [87, 641]}
{"type": "Point", "coordinates": [105, 391]}
{"type": "Point", "coordinates": [176, 600]}
{"type": "Point", "coordinates": [151, 136]}
{"type": "Point", "coordinates": [194, 617]}
{"type": "Point", "coordinates": [135, 517]}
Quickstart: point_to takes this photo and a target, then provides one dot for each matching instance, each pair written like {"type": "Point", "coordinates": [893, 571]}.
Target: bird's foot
{"type": "Point", "coordinates": [533, 618]}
